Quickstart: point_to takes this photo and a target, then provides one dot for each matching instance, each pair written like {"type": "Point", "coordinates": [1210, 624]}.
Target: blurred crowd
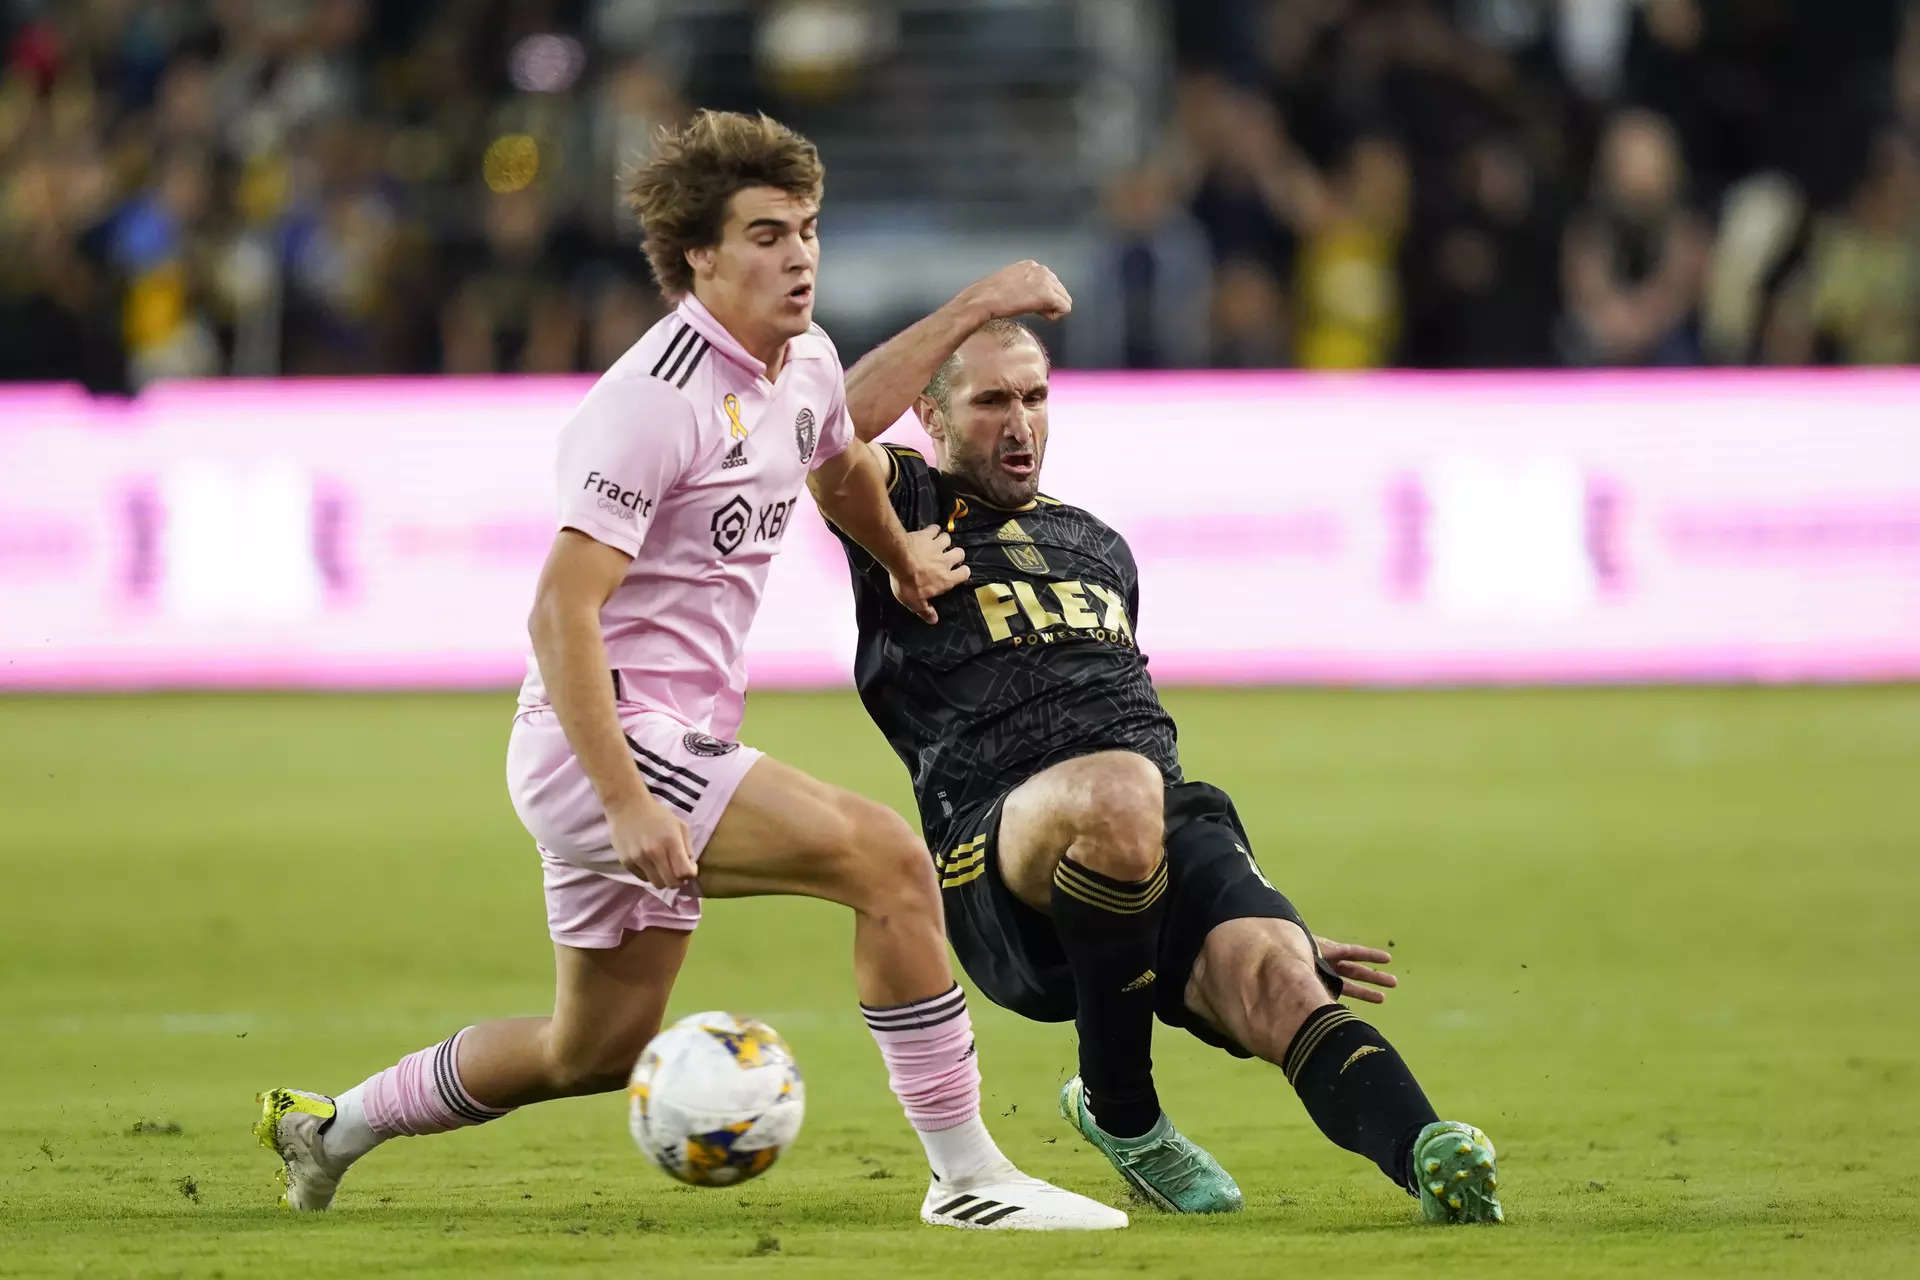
{"type": "Point", "coordinates": [194, 187]}
{"type": "Point", "coordinates": [1502, 183]}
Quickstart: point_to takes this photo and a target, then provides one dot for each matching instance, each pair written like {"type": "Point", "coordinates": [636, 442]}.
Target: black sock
{"type": "Point", "coordinates": [1110, 930]}
{"type": "Point", "coordinates": [1358, 1090]}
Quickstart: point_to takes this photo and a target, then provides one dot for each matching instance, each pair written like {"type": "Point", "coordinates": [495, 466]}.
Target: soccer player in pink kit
{"type": "Point", "coordinates": [677, 477]}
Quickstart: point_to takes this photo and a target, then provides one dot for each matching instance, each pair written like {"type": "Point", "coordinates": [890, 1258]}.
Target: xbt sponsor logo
{"type": "Point", "coordinates": [773, 519]}
{"type": "Point", "coordinates": [621, 504]}
{"type": "Point", "coordinates": [732, 522]}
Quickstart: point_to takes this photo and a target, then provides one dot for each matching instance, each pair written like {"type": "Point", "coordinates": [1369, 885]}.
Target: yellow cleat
{"type": "Point", "coordinates": [290, 1124]}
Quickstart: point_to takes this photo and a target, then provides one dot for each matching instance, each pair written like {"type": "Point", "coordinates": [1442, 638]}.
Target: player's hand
{"type": "Point", "coordinates": [1354, 965]}
{"type": "Point", "coordinates": [933, 568]}
{"type": "Point", "coordinates": [652, 843]}
{"type": "Point", "coordinates": [1023, 288]}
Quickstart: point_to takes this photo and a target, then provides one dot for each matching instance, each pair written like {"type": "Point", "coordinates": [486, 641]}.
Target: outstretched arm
{"type": "Point", "coordinates": [883, 384]}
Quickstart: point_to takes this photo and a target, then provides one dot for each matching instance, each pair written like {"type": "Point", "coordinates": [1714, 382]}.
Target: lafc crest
{"type": "Point", "coordinates": [1021, 553]}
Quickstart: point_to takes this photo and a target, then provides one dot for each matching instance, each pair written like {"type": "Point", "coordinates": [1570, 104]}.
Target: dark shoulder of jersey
{"type": "Point", "coordinates": [1033, 660]}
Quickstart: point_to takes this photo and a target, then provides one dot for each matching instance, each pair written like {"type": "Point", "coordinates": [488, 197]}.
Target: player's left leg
{"type": "Point", "coordinates": [608, 1002]}
{"type": "Point", "coordinates": [785, 832]}
{"type": "Point", "coordinates": [1260, 981]}
{"type": "Point", "coordinates": [1082, 842]}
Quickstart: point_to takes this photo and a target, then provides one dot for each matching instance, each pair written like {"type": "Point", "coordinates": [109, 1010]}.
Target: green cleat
{"type": "Point", "coordinates": [1166, 1168]}
{"type": "Point", "coordinates": [1453, 1163]}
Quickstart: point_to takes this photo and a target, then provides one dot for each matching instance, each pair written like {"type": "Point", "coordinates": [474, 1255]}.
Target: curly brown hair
{"type": "Point", "coordinates": [680, 192]}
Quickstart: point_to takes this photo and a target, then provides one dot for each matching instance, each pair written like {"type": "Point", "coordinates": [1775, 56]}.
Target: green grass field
{"type": "Point", "coordinates": [1660, 944]}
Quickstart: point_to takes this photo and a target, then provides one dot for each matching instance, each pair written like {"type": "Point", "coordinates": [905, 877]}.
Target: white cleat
{"type": "Point", "coordinates": [289, 1126]}
{"type": "Point", "coordinates": [1005, 1199]}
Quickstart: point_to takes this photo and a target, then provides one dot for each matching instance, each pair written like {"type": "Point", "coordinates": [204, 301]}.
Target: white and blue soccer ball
{"type": "Point", "coordinates": [715, 1099]}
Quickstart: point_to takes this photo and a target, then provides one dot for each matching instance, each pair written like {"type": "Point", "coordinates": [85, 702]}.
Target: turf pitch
{"type": "Point", "coordinates": [1660, 944]}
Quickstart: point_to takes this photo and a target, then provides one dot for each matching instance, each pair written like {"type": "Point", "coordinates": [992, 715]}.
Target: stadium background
{"type": "Point", "coordinates": [1656, 939]}
{"type": "Point", "coordinates": [339, 186]}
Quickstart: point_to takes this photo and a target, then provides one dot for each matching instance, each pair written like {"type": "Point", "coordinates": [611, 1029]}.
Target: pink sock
{"type": "Point", "coordinates": [928, 1048]}
{"type": "Point", "coordinates": [422, 1094]}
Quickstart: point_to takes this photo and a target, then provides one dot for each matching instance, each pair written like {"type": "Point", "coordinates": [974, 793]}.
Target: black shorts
{"type": "Point", "coordinates": [1013, 954]}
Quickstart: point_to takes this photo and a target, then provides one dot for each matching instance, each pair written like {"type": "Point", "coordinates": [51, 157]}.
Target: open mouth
{"type": "Point", "coordinates": [1018, 462]}
{"type": "Point", "coordinates": [800, 293]}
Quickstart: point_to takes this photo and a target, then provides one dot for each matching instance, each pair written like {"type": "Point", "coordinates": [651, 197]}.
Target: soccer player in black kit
{"type": "Point", "coordinates": [1085, 877]}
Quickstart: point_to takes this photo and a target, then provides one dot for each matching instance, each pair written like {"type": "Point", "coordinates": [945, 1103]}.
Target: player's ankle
{"type": "Point", "coordinates": [1159, 1129]}
{"type": "Point", "coordinates": [964, 1152]}
{"type": "Point", "coordinates": [348, 1136]}
{"type": "Point", "coordinates": [1125, 1114]}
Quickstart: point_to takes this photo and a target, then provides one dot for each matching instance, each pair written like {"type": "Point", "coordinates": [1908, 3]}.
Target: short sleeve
{"type": "Point", "coordinates": [909, 485]}
{"type": "Point", "coordinates": [909, 489]}
{"type": "Point", "coordinates": [836, 433]}
{"type": "Point", "coordinates": [624, 447]}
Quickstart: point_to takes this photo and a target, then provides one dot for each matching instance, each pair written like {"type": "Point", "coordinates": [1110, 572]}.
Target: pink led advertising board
{"type": "Point", "coordinates": [1385, 528]}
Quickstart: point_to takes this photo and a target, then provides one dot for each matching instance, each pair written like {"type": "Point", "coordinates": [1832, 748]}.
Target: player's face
{"type": "Point", "coordinates": [994, 433]}
{"type": "Point", "coordinates": [758, 281]}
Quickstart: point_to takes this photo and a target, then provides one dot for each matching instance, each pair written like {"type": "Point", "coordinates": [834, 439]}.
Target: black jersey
{"type": "Point", "coordinates": [1033, 660]}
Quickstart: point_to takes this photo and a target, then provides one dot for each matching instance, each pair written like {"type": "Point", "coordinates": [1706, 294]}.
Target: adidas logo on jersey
{"type": "Point", "coordinates": [736, 456]}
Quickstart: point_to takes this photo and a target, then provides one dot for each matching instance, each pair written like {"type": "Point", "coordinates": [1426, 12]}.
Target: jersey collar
{"type": "Point", "coordinates": [994, 506]}
{"type": "Point", "coordinates": [701, 320]}
{"type": "Point", "coordinates": [974, 500]}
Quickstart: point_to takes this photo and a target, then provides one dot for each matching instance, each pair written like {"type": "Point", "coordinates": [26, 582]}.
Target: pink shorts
{"type": "Point", "coordinates": [593, 901]}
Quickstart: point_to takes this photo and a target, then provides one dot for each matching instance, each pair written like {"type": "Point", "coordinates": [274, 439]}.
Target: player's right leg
{"type": "Point", "coordinates": [1256, 978]}
{"type": "Point", "coordinates": [1083, 842]}
{"type": "Point", "coordinates": [784, 832]}
{"type": "Point", "coordinates": [1260, 981]}
{"type": "Point", "coordinates": [608, 1002]}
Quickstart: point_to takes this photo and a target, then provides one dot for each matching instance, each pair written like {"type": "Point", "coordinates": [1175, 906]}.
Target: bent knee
{"type": "Point", "coordinates": [875, 861]}
{"type": "Point", "coordinates": [1123, 825]}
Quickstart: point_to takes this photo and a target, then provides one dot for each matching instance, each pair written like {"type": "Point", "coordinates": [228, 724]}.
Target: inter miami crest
{"type": "Point", "coordinates": [705, 744]}
{"type": "Point", "coordinates": [805, 435]}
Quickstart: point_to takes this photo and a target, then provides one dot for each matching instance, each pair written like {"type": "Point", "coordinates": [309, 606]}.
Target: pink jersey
{"type": "Point", "coordinates": [685, 457]}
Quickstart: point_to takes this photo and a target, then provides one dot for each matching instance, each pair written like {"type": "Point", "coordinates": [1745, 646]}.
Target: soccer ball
{"type": "Point", "coordinates": [715, 1099]}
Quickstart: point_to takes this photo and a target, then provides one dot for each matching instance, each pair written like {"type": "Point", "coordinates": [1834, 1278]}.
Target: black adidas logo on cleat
{"type": "Point", "coordinates": [983, 1213]}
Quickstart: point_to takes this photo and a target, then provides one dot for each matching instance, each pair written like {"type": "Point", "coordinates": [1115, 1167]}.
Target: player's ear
{"type": "Point", "coordinates": [931, 419]}
{"type": "Point", "coordinates": [701, 260]}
